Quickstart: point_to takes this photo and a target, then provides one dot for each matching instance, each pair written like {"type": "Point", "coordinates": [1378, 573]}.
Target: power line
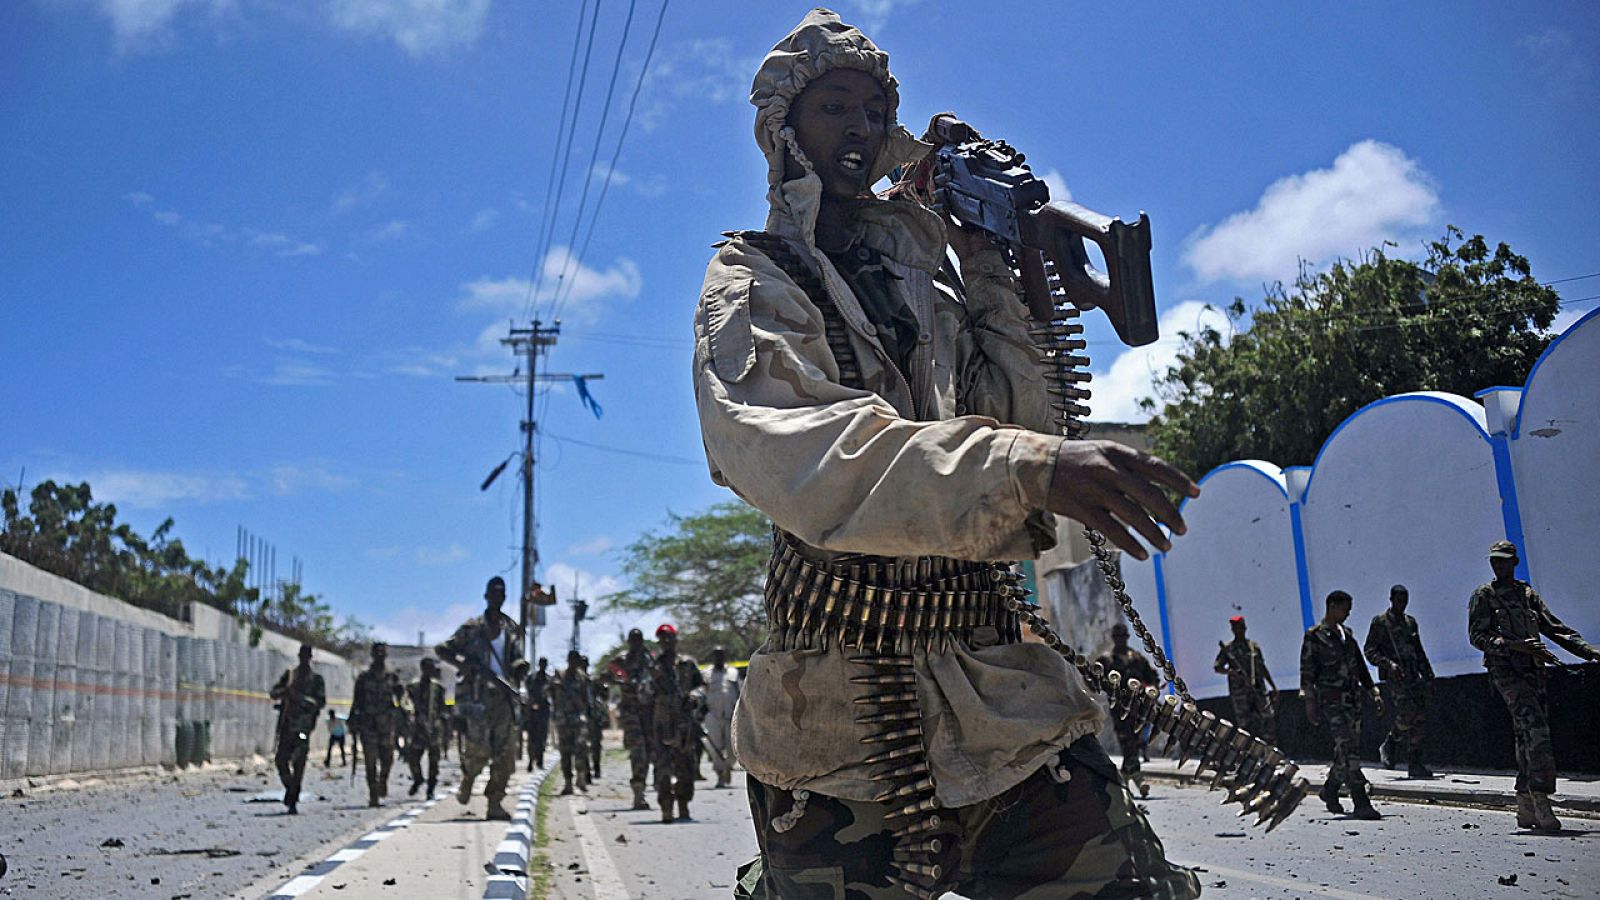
{"type": "Point", "coordinates": [627, 121]}
{"type": "Point", "coordinates": [658, 457]}
{"type": "Point", "coordinates": [1573, 278]}
{"type": "Point", "coordinates": [566, 155]}
{"type": "Point", "coordinates": [594, 156]}
{"type": "Point", "coordinates": [545, 218]}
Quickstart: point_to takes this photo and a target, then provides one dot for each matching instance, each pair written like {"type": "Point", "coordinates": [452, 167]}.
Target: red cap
{"type": "Point", "coordinates": [666, 628]}
{"type": "Point", "coordinates": [1238, 619]}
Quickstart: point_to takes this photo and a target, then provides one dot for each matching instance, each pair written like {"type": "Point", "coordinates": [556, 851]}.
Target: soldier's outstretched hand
{"type": "Point", "coordinates": [1112, 487]}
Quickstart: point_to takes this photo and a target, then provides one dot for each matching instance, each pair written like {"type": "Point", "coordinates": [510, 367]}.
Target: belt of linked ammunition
{"type": "Point", "coordinates": [882, 604]}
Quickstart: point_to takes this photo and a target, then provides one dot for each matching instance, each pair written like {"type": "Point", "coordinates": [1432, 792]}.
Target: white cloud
{"type": "Point", "coordinates": [592, 547]}
{"type": "Point", "coordinates": [150, 489]}
{"type": "Point", "coordinates": [1057, 184]}
{"type": "Point", "coordinates": [392, 230]}
{"type": "Point", "coordinates": [212, 234]}
{"type": "Point", "coordinates": [652, 186]}
{"type": "Point", "coordinates": [287, 479]}
{"type": "Point", "coordinates": [371, 186]}
{"type": "Point", "coordinates": [584, 289]}
{"type": "Point", "coordinates": [871, 15]}
{"type": "Point", "coordinates": [1568, 316]}
{"type": "Point", "coordinates": [1554, 57]}
{"type": "Point", "coordinates": [144, 24]}
{"type": "Point", "coordinates": [484, 219]}
{"type": "Point", "coordinates": [698, 72]}
{"type": "Point", "coordinates": [1372, 193]}
{"type": "Point", "coordinates": [420, 27]}
{"type": "Point", "coordinates": [601, 630]}
{"type": "Point", "coordinates": [297, 373]}
{"type": "Point", "coordinates": [1115, 395]}
{"type": "Point", "coordinates": [442, 556]}
{"type": "Point", "coordinates": [298, 345]}
{"type": "Point", "coordinates": [435, 623]}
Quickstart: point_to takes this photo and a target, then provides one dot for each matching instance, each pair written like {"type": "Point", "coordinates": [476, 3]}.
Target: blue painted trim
{"type": "Point", "coordinates": [1479, 395]}
{"type": "Point", "coordinates": [1438, 397]}
{"type": "Point", "coordinates": [1260, 467]}
{"type": "Point", "coordinates": [1510, 510]}
{"type": "Point", "coordinates": [1571, 329]}
{"type": "Point", "coordinates": [1161, 608]}
{"type": "Point", "coordinates": [1302, 567]}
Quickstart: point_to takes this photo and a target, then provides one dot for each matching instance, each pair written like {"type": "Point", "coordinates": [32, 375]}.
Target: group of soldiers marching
{"type": "Point", "coordinates": [670, 712]}
{"type": "Point", "coordinates": [1505, 619]}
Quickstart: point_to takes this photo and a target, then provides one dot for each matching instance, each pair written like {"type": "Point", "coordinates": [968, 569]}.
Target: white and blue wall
{"type": "Point", "coordinates": [1410, 489]}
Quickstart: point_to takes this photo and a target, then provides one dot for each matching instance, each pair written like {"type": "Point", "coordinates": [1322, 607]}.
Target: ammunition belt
{"type": "Point", "coordinates": [783, 255]}
{"type": "Point", "coordinates": [882, 604]}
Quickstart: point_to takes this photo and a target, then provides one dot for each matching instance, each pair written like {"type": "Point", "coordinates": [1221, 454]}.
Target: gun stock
{"type": "Point", "coordinates": [1126, 294]}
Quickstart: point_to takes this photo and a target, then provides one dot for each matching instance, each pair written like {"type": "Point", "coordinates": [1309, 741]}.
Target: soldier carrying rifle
{"type": "Point", "coordinates": [487, 651]}
{"type": "Point", "coordinates": [300, 695]}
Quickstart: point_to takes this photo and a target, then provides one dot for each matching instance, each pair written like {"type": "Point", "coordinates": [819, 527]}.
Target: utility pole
{"type": "Point", "coordinates": [580, 611]}
{"type": "Point", "coordinates": [528, 342]}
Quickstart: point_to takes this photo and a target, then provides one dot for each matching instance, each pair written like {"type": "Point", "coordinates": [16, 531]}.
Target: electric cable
{"type": "Point", "coordinates": [545, 219]}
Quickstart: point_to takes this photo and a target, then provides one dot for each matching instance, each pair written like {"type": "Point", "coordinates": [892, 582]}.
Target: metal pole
{"type": "Point", "coordinates": [530, 552]}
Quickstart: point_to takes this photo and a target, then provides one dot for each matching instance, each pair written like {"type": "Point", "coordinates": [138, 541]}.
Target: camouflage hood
{"type": "Point", "coordinates": [820, 43]}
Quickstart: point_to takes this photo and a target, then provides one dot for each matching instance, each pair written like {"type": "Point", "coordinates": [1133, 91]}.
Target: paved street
{"type": "Point", "coordinates": [212, 834]}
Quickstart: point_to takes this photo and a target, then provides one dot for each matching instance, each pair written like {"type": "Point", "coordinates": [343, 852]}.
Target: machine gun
{"type": "Point", "coordinates": [987, 185]}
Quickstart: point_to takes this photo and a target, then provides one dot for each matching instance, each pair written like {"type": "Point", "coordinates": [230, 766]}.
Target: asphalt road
{"type": "Point", "coordinates": [199, 834]}
{"type": "Point", "coordinates": [600, 849]}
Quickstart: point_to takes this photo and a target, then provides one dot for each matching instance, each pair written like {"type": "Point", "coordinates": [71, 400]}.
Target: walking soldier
{"type": "Point", "coordinates": [1250, 684]}
{"type": "Point", "coordinates": [487, 653]}
{"type": "Point", "coordinates": [631, 671]}
{"type": "Point", "coordinates": [1395, 646]}
{"type": "Point", "coordinates": [1130, 735]}
{"type": "Point", "coordinates": [570, 707]}
{"type": "Point", "coordinates": [300, 695]}
{"type": "Point", "coordinates": [538, 711]}
{"type": "Point", "coordinates": [374, 718]}
{"type": "Point", "coordinates": [1505, 619]}
{"type": "Point", "coordinates": [1333, 681]}
{"type": "Point", "coordinates": [428, 716]}
{"type": "Point", "coordinates": [672, 680]}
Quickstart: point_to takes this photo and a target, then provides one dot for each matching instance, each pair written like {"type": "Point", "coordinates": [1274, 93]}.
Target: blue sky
{"type": "Point", "coordinates": [245, 247]}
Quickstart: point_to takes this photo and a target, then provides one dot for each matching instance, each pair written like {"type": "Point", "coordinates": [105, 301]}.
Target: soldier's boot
{"type": "Point", "coordinates": [638, 798]}
{"type": "Point", "coordinates": [683, 811]}
{"type": "Point", "coordinates": [431, 785]}
{"type": "Point", "coordinates": [1362, 804]}
{"type": "Point", "coordinates": [416, 783]}
{"type": "Point", "coordinates": [666, 808]}
{"type": "Point", "coordinates": [372, 796]}
{"type": "Point", "coordinates": [1330, 796]}
{"type": "Point", "coordinates": [496, 812]}
{"type": "Point", "coordinates": [567, 788]}
{"type": "Point", "coordinates": [464, 793]}
{"type": "Point", "coordinates": [1544, 817]}
{"type": "Point", "coordinates": [1525, 814]}
{"type": "Point", "coordinates": [1386, 751]}
{"type": "Point", "coordinates": [1415, 769]}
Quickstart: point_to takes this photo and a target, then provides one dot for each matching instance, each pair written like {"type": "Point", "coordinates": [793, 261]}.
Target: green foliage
{"type": "Point", "coordinates": [67, 533]}
{"type": "Point", "coordinates": [705, 571]}
{"type": "Point", "coordinates": [1464, 319]}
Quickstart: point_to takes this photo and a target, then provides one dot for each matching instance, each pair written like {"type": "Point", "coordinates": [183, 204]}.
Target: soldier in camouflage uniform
{"type": "Point", "coordinates": [373, 716]}
{"type": "Point", "coordinates": [1130, 735]}
{"type": "Point", "coordinates": [428, 715]}
{"type": "Point", "coordinates": [300, 694]}
{"type": "Point", "coordinates": [672, 681]}
{"type": "Point", "coordinates": [631, 671]}
{"type": "Point", "coordinates": [570, 706]}
{"type": "Point", "coordinates": [1505, 619]}
{"type": "Point", "coordinates": [538, 712]}
{"type": "Point", "coordinates": [894, 420]}
{"type": "Point", "coordinates": [599, 716]}
{"type": "Point", "coordinates": [1333, 681]}
{"type": "Point", "coordinates": [1250, 684]}
{"type": "Point", "coordinates": [488, 655]}
{"type": "Point", "coordinates": [1394, 645]}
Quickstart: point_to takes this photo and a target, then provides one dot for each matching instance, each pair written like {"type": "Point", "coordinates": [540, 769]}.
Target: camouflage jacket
{"type": "Point", "coordinates": [673, 682]}
{"type": "Point", "coordinates": [570, 698]}
{"type": "Point", "coordinates": [372, 709]}
{"type": "Point", "coordinates": [300, 696]}
{"type": "Point", "coordinates": [1132, 664]}
{"type": "Point", "coordinates": [1394, 645]}
{"type": "Point", "coordinates": [475, 654]}
{"type": "Point", "coordinates": [1330, 661]}
{"type": "Point", "coordinates": [632, 674]}
{"type": "Point", "coordinates": [1516, 612]}
{"type": "Point", "coordinates": [428, 708]}
{"type": "Point", "coordinates": [952, 456]}
{"type": "Point", "coordinates": [538, 685]}
{"type": "Point", "coordinates": [1246, 667]}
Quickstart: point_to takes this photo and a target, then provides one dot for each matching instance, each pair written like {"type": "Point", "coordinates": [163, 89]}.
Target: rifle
{"type": "Point", "coordinates": [987, 185]}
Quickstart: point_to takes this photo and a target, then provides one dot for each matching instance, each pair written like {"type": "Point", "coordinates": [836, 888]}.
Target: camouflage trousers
{"type": "Point", "coordinates": [538, 735]}
{"type": "Point", "coordinates": [675, 767]}
{"type": "Point", "coordinates": [1046, 838]}
{"type": "Point", "coordinates": [572, 742]}
{"type": "Point", "coordinates": [491, 739]}
{"type": "Point", "coordinates": [1252, 711]}
{"type": "Point", "coordinates": [291, 762]}
{"type": "Point", "coordinates": [633, 738]}
{"type": "Point", "coordinates": [377, 749]}
{"type": "Point", "coordinates": [1409, 700]}
{"type": "Point", "coordinates": [1130, 740]}
{"type": "Point", "coordinates": [1524, 694]}
{"type": "Point", "coordinates": [423, 743]}
{"type": "Point", "coordinates": [1342, 713]}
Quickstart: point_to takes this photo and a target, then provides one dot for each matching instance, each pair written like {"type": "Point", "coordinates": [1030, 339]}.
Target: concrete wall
{"type": "Point", "coordinates": [1410, 489]}
{"type": "Point", "coordinates": [89, 683]}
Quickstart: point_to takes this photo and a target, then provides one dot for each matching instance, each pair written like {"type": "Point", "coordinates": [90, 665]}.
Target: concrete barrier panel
{"type": "Point", "coordinates": [41, 731]}
{"type": "Point", "coordinates": [122, 712]}
{"type": "Point", "coordinates": [18, 712]}
{"type": "Point", "coordinates": [24, 626]}
{"type": "Point", "coordinates": [105, 662]}
{"type": "Point", "coordinates": [150, 720]}
{"type": "Point", "coordinates": [90, 700]}
{"type": "Point", "coordinates": [67, 733]}
{"type": "Point", "coordinates": [169, 698]}
{"type": "Point", "coordinates": [8, 611]}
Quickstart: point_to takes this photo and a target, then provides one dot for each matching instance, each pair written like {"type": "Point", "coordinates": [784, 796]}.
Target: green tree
{"type": "Point", "coordinates": [1465, 318]}
{"type": "Point", "coordinates": [706, 571]}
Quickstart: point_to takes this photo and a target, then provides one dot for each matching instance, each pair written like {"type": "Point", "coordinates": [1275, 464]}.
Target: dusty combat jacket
{"type": "Point", "coordinates": [1516, 612]}
{"type": "Point", "coordinates": [1132, 664]}
{"type": "Point", "coordinates": [373, 710]}
{"type": "Point", "coordinates": [428, 710]}
{"type": "Point", "coordinates": [300, 696]}
{"type": "Point", "coordinates": [951, 458]}
{"type": "Point", "coordinates": [1394, 645]}
{"type": "Point", "coordinates": [1331, 664]}
{"type": "Point", "coordinates": [1245, 666]}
